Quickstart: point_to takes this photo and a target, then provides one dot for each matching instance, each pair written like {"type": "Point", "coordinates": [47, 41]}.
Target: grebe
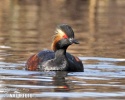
{"type": "Point", "coordinates": [58, 59]}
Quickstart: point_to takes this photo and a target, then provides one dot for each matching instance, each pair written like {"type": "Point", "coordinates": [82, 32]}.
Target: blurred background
{"type": "Point", "coordinates": [27, 26]}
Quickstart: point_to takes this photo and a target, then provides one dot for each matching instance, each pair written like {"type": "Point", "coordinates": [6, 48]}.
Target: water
{"type": "Point", "coordinates": [27, 27]}
{"type": "Point", "coordinates": [102, 79]}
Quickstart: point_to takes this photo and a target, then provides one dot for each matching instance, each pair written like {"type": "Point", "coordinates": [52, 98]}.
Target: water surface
{"type": "Point", "coordinates": [27, 27]}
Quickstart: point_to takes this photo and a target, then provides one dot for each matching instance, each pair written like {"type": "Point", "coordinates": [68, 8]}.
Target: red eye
{"type": "Point", "coordinates": [65, 36]}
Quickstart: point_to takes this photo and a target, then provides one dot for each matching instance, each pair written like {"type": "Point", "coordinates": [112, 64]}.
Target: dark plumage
{"type": "Point", "coordinates": [58, 59]}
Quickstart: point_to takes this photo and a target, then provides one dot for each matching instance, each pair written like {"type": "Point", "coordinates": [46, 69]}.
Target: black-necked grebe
{"type": "Point", "coordinates": [58, 59]}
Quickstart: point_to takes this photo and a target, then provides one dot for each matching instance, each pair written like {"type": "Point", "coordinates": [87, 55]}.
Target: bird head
{"type": "Point", "coordinates": [64, 37]}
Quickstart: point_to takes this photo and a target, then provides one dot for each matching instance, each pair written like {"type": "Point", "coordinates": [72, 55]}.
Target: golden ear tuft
{"type": "Point", "coordinates": [56, 38]}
